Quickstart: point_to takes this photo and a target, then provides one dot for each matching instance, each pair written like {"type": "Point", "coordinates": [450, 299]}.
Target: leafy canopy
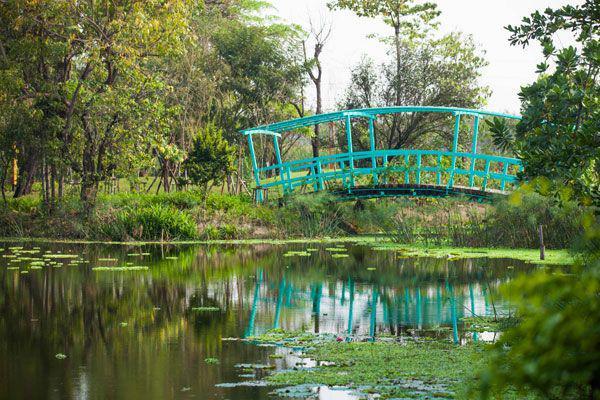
{"type": "Point", "coordinates": [559, 137]}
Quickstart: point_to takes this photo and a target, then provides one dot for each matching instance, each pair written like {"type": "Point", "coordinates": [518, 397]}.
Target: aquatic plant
{"type": "Point", "coordinates": [206, 309]}
{"type": "Point", "coordinates": [120, 269]}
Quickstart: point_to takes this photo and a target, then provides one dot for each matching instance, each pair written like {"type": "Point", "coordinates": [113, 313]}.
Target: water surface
{"type": "Point", "coordinates": [71, 329]}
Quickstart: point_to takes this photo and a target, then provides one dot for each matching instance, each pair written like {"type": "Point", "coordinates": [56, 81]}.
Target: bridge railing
{"type": "Point", "coordinates": [452, 169]}
{"type": "Point", "coordinates": [389, 167]}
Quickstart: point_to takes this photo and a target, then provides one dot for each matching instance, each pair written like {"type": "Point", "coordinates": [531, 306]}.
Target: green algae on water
{"type": "Point", "coordinates": [206, 309]}
{"type": "Point", "coordinates": [297, 254]}
{"type": "Point", "coordinates": [121, 269]}
{"type": "Point", "coordinates": [339, 256]}
{"type": "Point", "coordinates": [387, 367]}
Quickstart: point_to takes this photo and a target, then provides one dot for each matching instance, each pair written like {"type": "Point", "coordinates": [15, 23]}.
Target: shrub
{"type": "Point", "coordinates": [153, 222]}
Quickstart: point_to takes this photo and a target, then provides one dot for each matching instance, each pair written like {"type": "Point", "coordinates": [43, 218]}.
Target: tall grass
{"type": "Point", "coordinates": [512, 222]}
{"type": "Point", "coordinates": [313, 215]}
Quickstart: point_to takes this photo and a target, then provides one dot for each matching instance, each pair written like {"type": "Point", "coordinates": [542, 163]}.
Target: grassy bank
{"type": "Point", "coordinates": [188, 216]}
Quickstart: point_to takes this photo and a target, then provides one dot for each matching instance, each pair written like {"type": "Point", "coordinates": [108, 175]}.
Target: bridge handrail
{"type": "Point", "coordinates": [318, 177]}
{"type": "Point", "coordinates": [340, 115]}
{"type": "Point", "coordinates": [359, 155]}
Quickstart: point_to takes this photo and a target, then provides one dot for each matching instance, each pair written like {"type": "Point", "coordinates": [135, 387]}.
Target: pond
{"type": "Point", "coordinates": [156, 322]}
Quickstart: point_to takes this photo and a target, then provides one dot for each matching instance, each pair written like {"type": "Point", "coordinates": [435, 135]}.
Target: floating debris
{"type": "Point", "coordinates": [241, 384]}
{"type": "Point", "coordinates": [61, 256]}
{"type": "Point", "coordinates": [253, 366]}
{"type": "Point", "coordinates": [60, 356]}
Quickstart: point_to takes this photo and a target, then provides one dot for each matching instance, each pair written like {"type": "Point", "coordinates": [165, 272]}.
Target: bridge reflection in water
{"type": "Point", "coordinates": [358, 311]}
{"type": "Point", "coordinates": [386, 172]}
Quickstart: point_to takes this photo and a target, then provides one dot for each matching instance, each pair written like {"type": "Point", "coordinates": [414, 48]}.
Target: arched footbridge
{"type": "Point", "coordinates": [386, 172]}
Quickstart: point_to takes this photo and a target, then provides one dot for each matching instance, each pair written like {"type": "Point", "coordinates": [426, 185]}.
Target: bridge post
{"type": "Point", "coordinates": [474, 151]}
{"type": "Point", "coordinates": [259, 195]}
{"type": "Point", "coordinates": [350, 150]}
{"type": "Point", "coordinates": [454, 149]}
{"type": "Point", "coordinates": [372, 142]}
{"type": "Point", "coordinates": [278, 158]}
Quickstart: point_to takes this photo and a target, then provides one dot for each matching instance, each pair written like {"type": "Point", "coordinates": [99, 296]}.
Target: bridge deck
{"type": "Point", "coordinates": [412, 190]}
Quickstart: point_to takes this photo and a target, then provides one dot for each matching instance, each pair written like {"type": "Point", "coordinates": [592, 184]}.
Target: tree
{"type": "Point", "coordinates": [86, 69]}
{"type": "Point", "coordinates": [409, 19]}
{"type": "Point", "coordinates": [211, 158]}
{"type": "Point", "coordinates": [554, 350]}
{"type": "Point", "coordinates": [558, 137]}
{"type": "Point", "coordinates": [314, 68]}
{"type": "Point", "coordinates": [433, 72]}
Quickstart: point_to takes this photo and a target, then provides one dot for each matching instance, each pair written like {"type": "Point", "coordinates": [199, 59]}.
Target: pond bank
{"type": "Point", "coordinates": [383, 243]}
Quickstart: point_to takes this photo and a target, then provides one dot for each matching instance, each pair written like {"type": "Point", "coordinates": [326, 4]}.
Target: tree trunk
{"type": "Point", "coordinates": [316, 141]}
{"type": "Point", "coordinates": [26, 175]}
{"type": "Point", "coordinates": [166, 176]}
{"type": "Point", "coordinates": [89, 192]}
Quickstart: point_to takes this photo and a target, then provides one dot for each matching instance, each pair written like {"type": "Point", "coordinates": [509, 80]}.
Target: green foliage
{"type": "Point", "coordinates": [98, 99]}
{"type": "Point", "coordinates": [558, 136]}
{"type": "Point", "coordinates": [265, 73]}
{"type": "Point", "coordinates": [399, 14]}
{"type": "Point", "coordinates": [154, 222]}
{"type": "Point", "coordinates": [554, 351]}
{"type": "Point", "coordinates": [211, 158]}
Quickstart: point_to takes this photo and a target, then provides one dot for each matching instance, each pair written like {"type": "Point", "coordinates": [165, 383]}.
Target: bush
{"type": "Point", "coordinates": [155, 222]}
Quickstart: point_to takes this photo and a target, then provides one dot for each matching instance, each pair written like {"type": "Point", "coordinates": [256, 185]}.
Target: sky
{"type": "Point", "coordinates": [509, 67]}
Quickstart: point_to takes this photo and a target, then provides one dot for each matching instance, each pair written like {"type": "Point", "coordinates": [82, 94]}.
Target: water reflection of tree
{"type": "Point", "coordinates": [82, 313]}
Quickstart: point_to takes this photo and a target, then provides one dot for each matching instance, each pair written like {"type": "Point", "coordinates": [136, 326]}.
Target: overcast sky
{"type": "Point", "coordinates": [509, 67]}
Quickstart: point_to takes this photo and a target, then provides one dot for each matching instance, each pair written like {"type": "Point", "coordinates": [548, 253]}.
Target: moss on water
{"type": "Point", "coordinates": [431, 369]}
{"type": "Point", "coordinates": [553, 257]}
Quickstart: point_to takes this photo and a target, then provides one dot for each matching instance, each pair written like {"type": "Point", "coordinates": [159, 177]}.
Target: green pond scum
{"type": "Point", "coordinates": [389, 367]}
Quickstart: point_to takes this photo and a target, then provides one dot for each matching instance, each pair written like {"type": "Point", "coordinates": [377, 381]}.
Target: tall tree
{"type": "Point", "coordinates": [314, 68]}
{"type": "Point", "coordinates": [406, 17]}
{"type": "Point", "coordinates": [433, 72]}
{"type": "Point", "coordinates": [558, 137]}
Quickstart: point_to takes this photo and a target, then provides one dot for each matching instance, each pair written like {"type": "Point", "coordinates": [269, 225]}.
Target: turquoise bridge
{"type": "Point", "coordinates": [386, 172]}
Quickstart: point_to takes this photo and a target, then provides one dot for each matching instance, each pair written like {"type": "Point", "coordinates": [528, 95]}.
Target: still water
{"type": "Point", "coordinates": [70, 328]}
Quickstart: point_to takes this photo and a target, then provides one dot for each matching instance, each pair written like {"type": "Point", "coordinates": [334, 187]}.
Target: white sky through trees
{"type": "Point", "coordinates": [509, 66]}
